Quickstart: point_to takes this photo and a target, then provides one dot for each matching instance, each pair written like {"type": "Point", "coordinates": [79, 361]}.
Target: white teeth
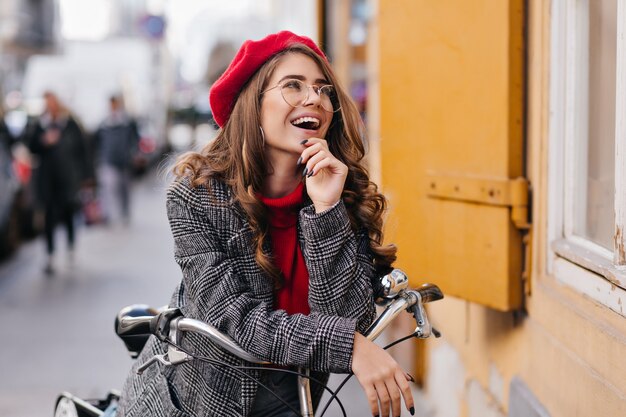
{"type": "Point", "coordinates": [306, 119]}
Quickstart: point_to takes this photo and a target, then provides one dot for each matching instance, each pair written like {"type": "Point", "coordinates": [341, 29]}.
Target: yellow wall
{"type": "Point", "coordinates": [569, 350]}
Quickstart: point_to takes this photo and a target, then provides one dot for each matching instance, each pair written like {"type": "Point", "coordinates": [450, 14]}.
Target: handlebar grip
{"type": "Point", "coordinates": [430, 292]}
{"type": "Point", "coordinates": [134, 320]}
{"type": "Point", "coordinates": [133, 324]}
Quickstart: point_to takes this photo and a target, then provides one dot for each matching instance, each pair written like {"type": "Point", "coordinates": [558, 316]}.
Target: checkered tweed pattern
{"type": "Point", "coordinates": [223, 285]}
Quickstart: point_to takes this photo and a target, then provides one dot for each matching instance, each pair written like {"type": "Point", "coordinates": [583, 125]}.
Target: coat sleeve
{"type": "Point", "coordinates": [340, 265]}
{"type": "Point", "coordinates": [218, 290]}
{"type": "Point", "coordinates": [31, 137]}
{"type": "Point", "coordinates": [81, 154]}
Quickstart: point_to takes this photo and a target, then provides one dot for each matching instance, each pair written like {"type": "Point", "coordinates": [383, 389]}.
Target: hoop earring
{"type": "Point", "coordinates": [262, 135]}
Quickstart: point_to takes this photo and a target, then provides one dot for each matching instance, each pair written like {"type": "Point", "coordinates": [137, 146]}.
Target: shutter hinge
{"type": "Point", "coordinates": [495, 192]}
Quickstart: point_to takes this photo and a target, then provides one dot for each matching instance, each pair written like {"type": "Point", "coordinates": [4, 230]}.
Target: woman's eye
{"type": "Point", "coordinates": [293, 84]}
{"type": "Point", "coordinates": [326, 90]}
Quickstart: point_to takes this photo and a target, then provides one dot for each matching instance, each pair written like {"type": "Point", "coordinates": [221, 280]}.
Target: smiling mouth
{"type": "Point", "coordinates": [308, 123]}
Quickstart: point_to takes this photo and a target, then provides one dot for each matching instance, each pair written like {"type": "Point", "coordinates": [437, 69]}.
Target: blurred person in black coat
{"type": "Point", "coordinates": [116, 143]}
{"type": "Point", "coordinates": [58, 142]}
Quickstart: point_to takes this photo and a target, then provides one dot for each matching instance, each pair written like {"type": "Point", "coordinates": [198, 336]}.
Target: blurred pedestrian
{"type": "Point", "coordinates": [58, 142]}
{"type": "Point", "coordinates": [116, 142]}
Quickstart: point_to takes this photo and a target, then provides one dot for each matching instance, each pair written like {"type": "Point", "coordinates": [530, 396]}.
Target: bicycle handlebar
{"type": "Point", "coordinates": [224, 341]}
{"type": "Point", "coordinates": [169, 324]}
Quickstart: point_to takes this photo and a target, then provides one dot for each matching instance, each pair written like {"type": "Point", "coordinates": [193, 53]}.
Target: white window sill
{"type": "Point", "coordinates": [590, 260]}
{"type": "Point", "coordinates": [590, 274]}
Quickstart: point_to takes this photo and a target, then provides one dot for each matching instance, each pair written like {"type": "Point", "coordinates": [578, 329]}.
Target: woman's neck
{"type": "Point", "coordinates": [284, 176]}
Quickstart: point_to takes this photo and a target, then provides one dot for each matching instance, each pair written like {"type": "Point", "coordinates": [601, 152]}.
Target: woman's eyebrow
{"type": "Point", "coordinates": [302, 78]}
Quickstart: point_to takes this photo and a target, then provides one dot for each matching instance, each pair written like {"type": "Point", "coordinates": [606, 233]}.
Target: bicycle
{"type": "Point", "coordinates": [136, 323]}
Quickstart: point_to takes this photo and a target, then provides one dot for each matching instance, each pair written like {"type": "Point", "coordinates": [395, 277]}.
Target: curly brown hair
{"type": "Point", "coordinates": [236, 156]}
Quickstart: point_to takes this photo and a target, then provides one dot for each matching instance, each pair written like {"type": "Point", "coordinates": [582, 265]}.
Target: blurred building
{"type": "Point", "coordinates": [26, 28]}
{"type": "Point", "coordinates": [92, 50]}
{"type": "Point", "coordinates": [499, 136]}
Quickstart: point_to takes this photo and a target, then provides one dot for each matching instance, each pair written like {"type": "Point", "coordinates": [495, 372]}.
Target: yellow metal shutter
{"type": "Point", "coordinates": [451, 140]}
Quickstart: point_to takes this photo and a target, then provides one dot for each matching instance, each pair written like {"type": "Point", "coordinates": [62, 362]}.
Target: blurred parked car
{"type": "Point", "coordinates": [10, 192]}
{"type": "Point", "coordinates": [18, 217]}
{"type": "Point", "coordinates": [190, 128]}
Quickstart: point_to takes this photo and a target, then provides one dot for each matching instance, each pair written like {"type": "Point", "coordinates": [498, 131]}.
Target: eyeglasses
{"type": "Point", "coordinates": [296, 93]}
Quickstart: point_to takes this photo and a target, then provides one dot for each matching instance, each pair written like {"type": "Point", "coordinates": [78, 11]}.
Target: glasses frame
{"type": "Point", "coordinates": [316, 88]}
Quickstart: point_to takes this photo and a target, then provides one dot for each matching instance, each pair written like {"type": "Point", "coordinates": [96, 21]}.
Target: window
{"type": "Point", "coordinates": [587, 174]}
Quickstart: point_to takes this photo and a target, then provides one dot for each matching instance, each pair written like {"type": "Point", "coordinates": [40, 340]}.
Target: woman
{"type": "Point", "coordinates": [277, 230]}
{"type": "Point", "coordinates": [61, 147]}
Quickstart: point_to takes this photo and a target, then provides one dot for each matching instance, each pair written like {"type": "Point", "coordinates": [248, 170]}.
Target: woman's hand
{"type": "Point", "coordinates": [325, 174]}
{"type": "Point", "coordinates": [382, 379]}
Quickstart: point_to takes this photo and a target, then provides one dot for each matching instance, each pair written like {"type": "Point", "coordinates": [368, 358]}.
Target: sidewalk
{"type": "Point", "coordinates": [57, 332]}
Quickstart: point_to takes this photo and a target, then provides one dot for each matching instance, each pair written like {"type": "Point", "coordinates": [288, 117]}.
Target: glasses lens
{"type": "Point", "coordinates": [294, 92]}
{"type": "Point", "coordinates": [328, 98]}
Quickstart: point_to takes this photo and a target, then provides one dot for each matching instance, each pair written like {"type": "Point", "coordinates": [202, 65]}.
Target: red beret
{"type": "Point", "coordinates": [250, 57]}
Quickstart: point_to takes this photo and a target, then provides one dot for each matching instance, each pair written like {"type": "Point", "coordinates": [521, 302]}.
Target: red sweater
{"type": "Point", "coordinates": [287, 255]}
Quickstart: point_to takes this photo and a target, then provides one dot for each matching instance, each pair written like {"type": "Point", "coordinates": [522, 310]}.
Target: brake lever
{"type": "Point", "coordinates": [423, 329]}
{"type": "Point", "coordinates": [156, 358]}
{"type": "Point", "coordinates": [174, 356]}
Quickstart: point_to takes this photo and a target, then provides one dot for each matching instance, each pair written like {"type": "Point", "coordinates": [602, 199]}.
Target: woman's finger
{"type": "Point", "coordinates": [310, 151]}
{"type": "Point", "coordinates": [383, 398]}
{"type": "Point", "coordinates": [402, 381]}
{"type": "Point", "coordinates": [309, 143]}
{"type": "Point", "coordinates": [395, 397]}
{"type": "Point", "coordinates": [314, 159]}
{"type": "Point", "coordinates": [318, 163]}
{"type": "Point", "coordinates": [324, 163]}
{"type": "Point", "coordinates": [372, 399]}
{"type": "Point", "coordinates": [313, 141]}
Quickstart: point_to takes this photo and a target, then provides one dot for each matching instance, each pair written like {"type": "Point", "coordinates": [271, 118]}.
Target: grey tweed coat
{"type": "Point", "coordinates": [223, 285]}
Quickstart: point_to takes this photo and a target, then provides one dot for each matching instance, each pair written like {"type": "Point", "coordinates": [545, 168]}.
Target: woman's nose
{"type": "Point", "coordinates": [313, 96]}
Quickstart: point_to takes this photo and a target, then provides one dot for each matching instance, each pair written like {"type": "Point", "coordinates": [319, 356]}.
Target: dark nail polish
{"type": "Point", "coordinates": [304, 141]}
{"type": "Point", "coordinates": [299, 161]}
{"type": "Point", "coordinates": [305, 172]}
{"type": "Point", "coordinates": [412, 411]}
{"type": "Point", "coordinates": [310, 174]}
{"type": "Point", "coordinates": [411, 376]}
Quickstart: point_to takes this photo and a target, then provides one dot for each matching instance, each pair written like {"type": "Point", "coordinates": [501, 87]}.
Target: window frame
{"type": "Point", "coordinates": [577, 262]}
